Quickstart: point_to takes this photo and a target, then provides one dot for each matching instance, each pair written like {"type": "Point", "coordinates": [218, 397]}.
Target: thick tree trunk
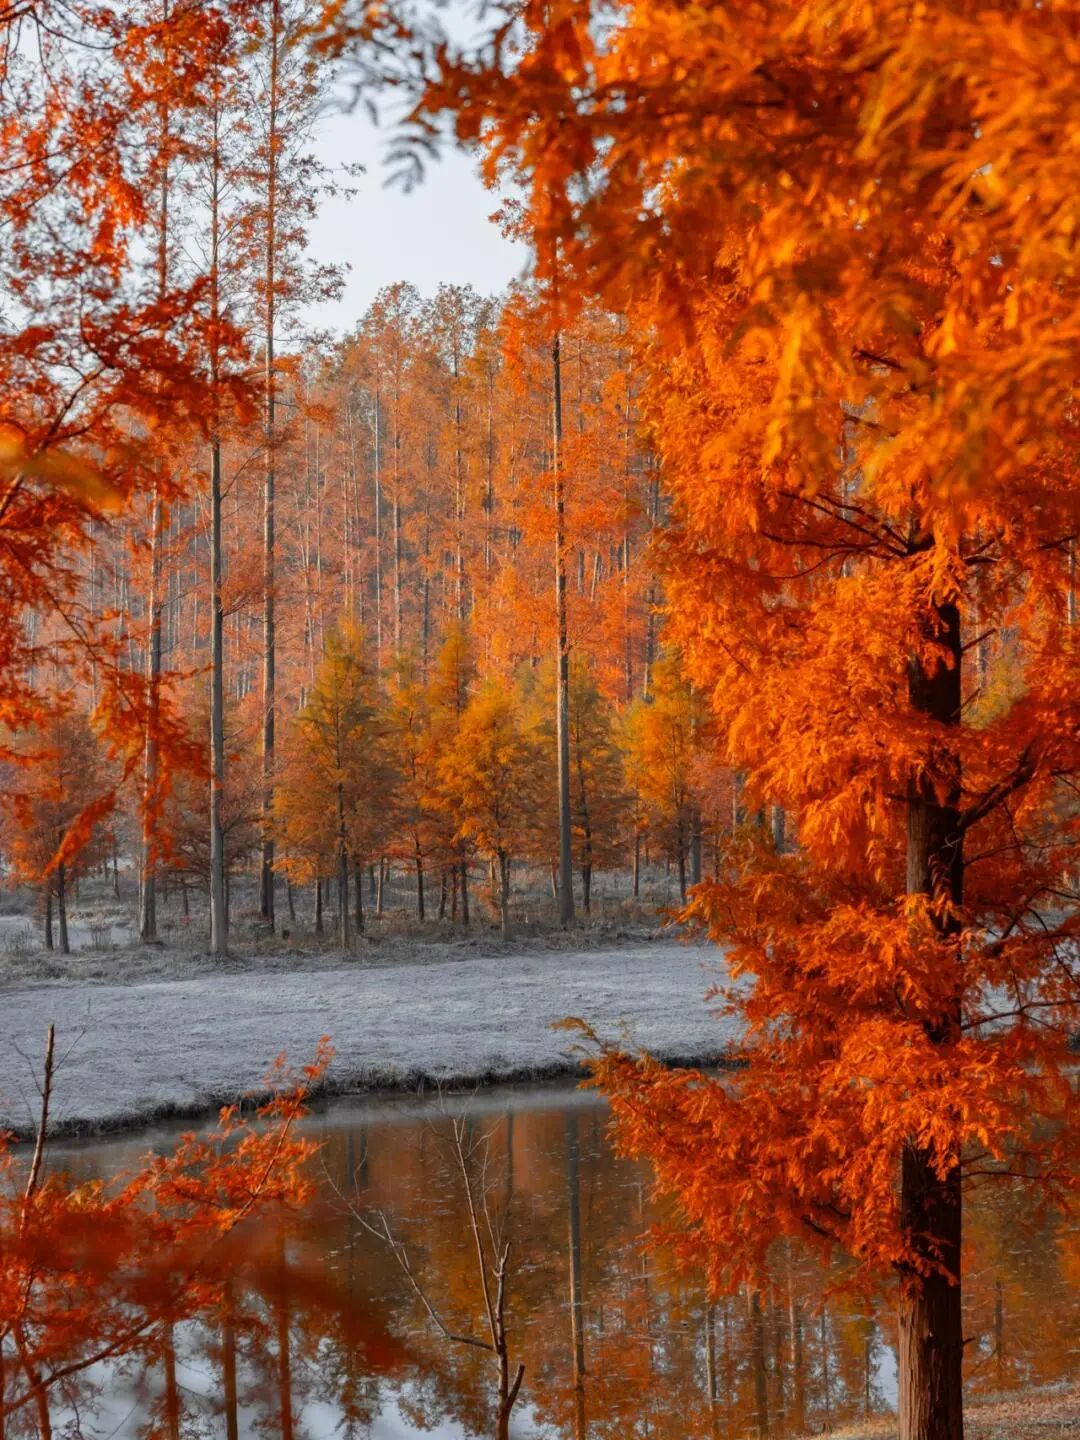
{"type": "Point", "coordinates": [586, 888]}
{"type": "Point", "coordinates": [930, 1324]}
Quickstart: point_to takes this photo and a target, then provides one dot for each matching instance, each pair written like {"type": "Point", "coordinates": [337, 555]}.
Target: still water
{"type": "Point", "coordinates": [615, 1343]}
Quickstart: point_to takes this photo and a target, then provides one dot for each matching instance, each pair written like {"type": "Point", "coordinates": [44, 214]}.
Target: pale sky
{"type": "Point", "coordinates": [439, 232]}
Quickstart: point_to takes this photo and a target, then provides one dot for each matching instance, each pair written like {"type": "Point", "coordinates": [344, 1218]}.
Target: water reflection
{"type": "Point", "coordinates": [615, 1343]}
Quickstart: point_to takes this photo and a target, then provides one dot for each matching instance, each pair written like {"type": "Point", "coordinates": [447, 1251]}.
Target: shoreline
{"type": "Point", "coordinates": [144, 1051]}
{"type": "Point", "coordinates": [330, 1090]}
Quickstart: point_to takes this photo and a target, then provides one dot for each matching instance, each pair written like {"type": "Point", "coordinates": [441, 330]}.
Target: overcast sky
{"type": "Point", "coordinates": [441, 231]}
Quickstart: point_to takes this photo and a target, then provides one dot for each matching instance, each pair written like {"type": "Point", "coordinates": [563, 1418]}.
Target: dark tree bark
{"type": "Point", "coordinates": [930, 1325]}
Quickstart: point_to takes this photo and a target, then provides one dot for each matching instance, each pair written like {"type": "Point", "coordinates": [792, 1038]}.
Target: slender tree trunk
{"type": "Point", "coordinates": [712, 1385]}
{"type": "Point", "coordinates": [318, 906]}
{"type": "Point", "coordinates": [269, 679]}
{"type": "Point", "coordinates": [148, 848]}
{"type": "Point", "coordinates": [228, 1360]}
{"type": "Point", "coordinates": [637, 863]}
{"type": "Point", "coordinates": [342, 873]}
{"type": "Point", "coordinates": [930, 1321]}
{"type": "Point", "coordinates": [61, 908]}
{"type": "Point", "coordinates": [577, 1313]}
{"type": "Point", "coordinates": [380, 892]}
{"type": "Point", "coordinates": [464, 892]}
{"type": "Point", "coordinates": [148, 855]}
{"type": "Point", "coordinates": [378, 530]}
{"type": "Point", "coordinates": [695, 845]}
{"type": "Point", "coordinates": [757, 1350]}
{"type": "Point", "coordinates": [284, 1355]}
{"type": "Point", "coordinates": [397, 577]}
{"type": "Point", "coordinates": [219, 916]}
{"type": "Point", "coordinates": [798, 1368]}
{"type": "Point", "coordinates": [358, 884]}
{"type": "Point", "coordinates": [562, 649]}
{"type": "Point", "coordinates": [48, 915]}
{"type": "Point", "coordinates": [419, 886]}
{"type": "Point", "coordinates": [504, 895]}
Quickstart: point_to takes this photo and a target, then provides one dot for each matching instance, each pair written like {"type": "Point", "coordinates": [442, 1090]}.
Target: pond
{"type": "Point", "coordinates": [615, 1343]}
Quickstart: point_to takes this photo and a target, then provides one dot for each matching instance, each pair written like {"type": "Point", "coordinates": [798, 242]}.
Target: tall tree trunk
{"type": "Point", "coordinates": [378, 528]}
{"type": "Point", "coordinates": [419, 886]}
{"type": "Point", "coordinates": [712, 1384]}
{"type": "Point", "coordinates": [798, 1368]}
{"type": "Point", "coordinates": [148, 850]}
{"type": "Point", "coordinates": [172, 1389]}
{"type": "Point", "coordinates": [504, 895]}
{"type": "Point", "coordinates": [318, 905]}
{"type": "Point", "coordinates": [269, 680]}
{"type": "Point", "coordinates": [758, 1362]}
{"type": "Point", "coordinates": [358, 884]}
{"type": "Point", "coordinates": [228, 1360]}
{"type": "Point", "coordinates": [342, 873]}
{"type": "Point", "coordinates": [930, 1323]}
{"type": "Point", "coordinates": [465, 892]}
{"type": "Point", "coordinates": [61, 908]}
{"type": "Point", "coordinates": [148, 846]}
{"type": "Point", "coordinates": [48, 915]}
{"type": "Point", "coordinates": [577, 1313]}
{"type": "Point", "coordinates": [286, 1419]}
{"type": "Point", "coordinates": [562, 649]}
{"type": "Point", "coordinates": [219, 915]}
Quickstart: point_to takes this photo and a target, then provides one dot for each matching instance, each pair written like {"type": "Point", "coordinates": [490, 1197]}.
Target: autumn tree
{"type": "Point", "coordinates": [598, 799]}
{"type": "Point", "coordinates": [489, 784]}
{"type": "Point", "coordinates": [843, 245]}
{"type": "Point", "coordinates": [419, 830]}
{"type": "Point", "coordinates": [60, 789]}
{"type": "Point", "coordinates": [94, 1273]}
{"type": "Point", "coordinates": [663, 738]}
{"type": "Point", "coordinates": [336, 795]}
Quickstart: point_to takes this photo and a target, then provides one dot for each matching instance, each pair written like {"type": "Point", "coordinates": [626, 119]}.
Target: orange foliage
{"type": "Point", "coordinates": [97, 1271]}
{"type": "Point", "coordinates": [840, 232]}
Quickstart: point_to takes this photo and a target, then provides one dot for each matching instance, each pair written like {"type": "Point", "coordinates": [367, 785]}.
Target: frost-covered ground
{"type": "Point", "coordinates": [153, 1047]}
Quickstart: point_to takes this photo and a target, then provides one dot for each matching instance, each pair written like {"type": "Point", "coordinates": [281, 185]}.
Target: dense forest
{"type": "Point", "coordinates": [410, 591]}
